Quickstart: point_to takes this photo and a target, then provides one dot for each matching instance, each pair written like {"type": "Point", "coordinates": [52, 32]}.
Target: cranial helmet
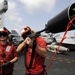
{"type": "Point", "coordinates": [25, 32]}
{"type": "Point", "coordinates": [3, 30]}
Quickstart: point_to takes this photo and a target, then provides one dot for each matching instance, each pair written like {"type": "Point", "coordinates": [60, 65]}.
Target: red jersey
{"type": "Point", "coordinates": [7, 53]}
{"type": "Point", "coordinates": [38, 61]}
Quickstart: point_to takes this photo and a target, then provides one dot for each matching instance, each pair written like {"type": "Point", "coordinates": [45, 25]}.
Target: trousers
{"type": "Point", "coordinates": [42, 73]}
{"type": "Point", "coordinates": [8, 74]}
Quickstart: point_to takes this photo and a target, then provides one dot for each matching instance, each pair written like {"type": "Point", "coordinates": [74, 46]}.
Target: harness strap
{"type": "Point", "coordinates": [32, 56]}
{"type": "Point", "coordinates": [45, 72]}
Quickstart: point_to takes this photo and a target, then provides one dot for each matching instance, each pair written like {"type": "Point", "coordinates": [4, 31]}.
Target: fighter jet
{"type": "Point", "coordinates": [14, 37]}
{"type": "Point", "coordinates": [68, 42]}
{"type": "Point", "coordinates": [3, 9]}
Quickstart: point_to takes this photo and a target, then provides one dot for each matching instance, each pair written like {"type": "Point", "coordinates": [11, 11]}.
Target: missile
{"type": "Point", "coordinates": [53, 47]}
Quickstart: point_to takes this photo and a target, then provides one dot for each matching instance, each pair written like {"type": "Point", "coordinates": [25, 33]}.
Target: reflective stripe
{"type": "Point", "coordinates": [8, 48]}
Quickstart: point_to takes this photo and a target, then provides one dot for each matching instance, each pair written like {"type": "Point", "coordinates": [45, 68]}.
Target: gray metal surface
{"type": "Point", "coordinates": [64, 64]}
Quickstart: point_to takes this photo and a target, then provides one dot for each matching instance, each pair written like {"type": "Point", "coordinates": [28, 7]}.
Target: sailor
{"type": "Point", "coordinates": [35, 52]}
{"type": "Point", "coordinates": [8, 54]}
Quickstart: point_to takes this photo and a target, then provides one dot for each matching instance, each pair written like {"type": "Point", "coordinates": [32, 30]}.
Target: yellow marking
{"type": "Point", "coordinates": [68, 62]}
{"type": "Point", "coordinates": [61, 60]}
{"type": "Point", "coordinates": [47, 58]}
{"type": "Point", "coordinates": [65, 59]}
{"type": "Point", "coordinates": [73, 60]}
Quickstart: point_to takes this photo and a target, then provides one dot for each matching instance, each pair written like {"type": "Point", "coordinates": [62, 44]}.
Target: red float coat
{"type": "Point", "coordinates": [38, 61]}
{"type": "Point", "coordinates": [7, 53]}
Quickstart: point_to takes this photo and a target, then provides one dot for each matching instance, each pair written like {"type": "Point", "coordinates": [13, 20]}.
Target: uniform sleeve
{"type": "Point", "coordinates": [41, 42]}
{"type": "Point", "coordinates": [15, 52]}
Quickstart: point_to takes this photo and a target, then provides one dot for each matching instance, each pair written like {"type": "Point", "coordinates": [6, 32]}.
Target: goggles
{"type": "Point", "coordinates": [3, 34]}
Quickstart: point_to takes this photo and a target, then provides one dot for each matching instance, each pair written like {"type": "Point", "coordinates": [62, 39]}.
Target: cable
{"type": "Point", "coordinates": [64, 36]}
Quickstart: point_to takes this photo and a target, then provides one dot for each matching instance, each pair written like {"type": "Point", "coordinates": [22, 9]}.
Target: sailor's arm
{"type": "Point", "coordinates": [21, 46]}
{"type": "Point", "coordinates": [14, 60]}
{"type": "Point", "coordinates": [41, 51]}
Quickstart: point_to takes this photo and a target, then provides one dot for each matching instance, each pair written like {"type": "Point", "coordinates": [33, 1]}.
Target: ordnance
{"type": "Point", "coordinates": [59, 22]}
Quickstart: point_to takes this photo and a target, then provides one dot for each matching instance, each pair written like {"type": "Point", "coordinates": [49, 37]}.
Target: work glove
{"type": "Point", "coordinates": [5, 65]}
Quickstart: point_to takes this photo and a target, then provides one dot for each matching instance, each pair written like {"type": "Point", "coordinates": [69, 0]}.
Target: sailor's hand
{"type": "Point", "coordinates": [28, 41]}
{"type": "Point", "coordinates": [5, 65]}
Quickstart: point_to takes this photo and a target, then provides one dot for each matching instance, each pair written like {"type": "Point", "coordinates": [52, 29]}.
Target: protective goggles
{"type": "Point", "coordinates": [3, 34]}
